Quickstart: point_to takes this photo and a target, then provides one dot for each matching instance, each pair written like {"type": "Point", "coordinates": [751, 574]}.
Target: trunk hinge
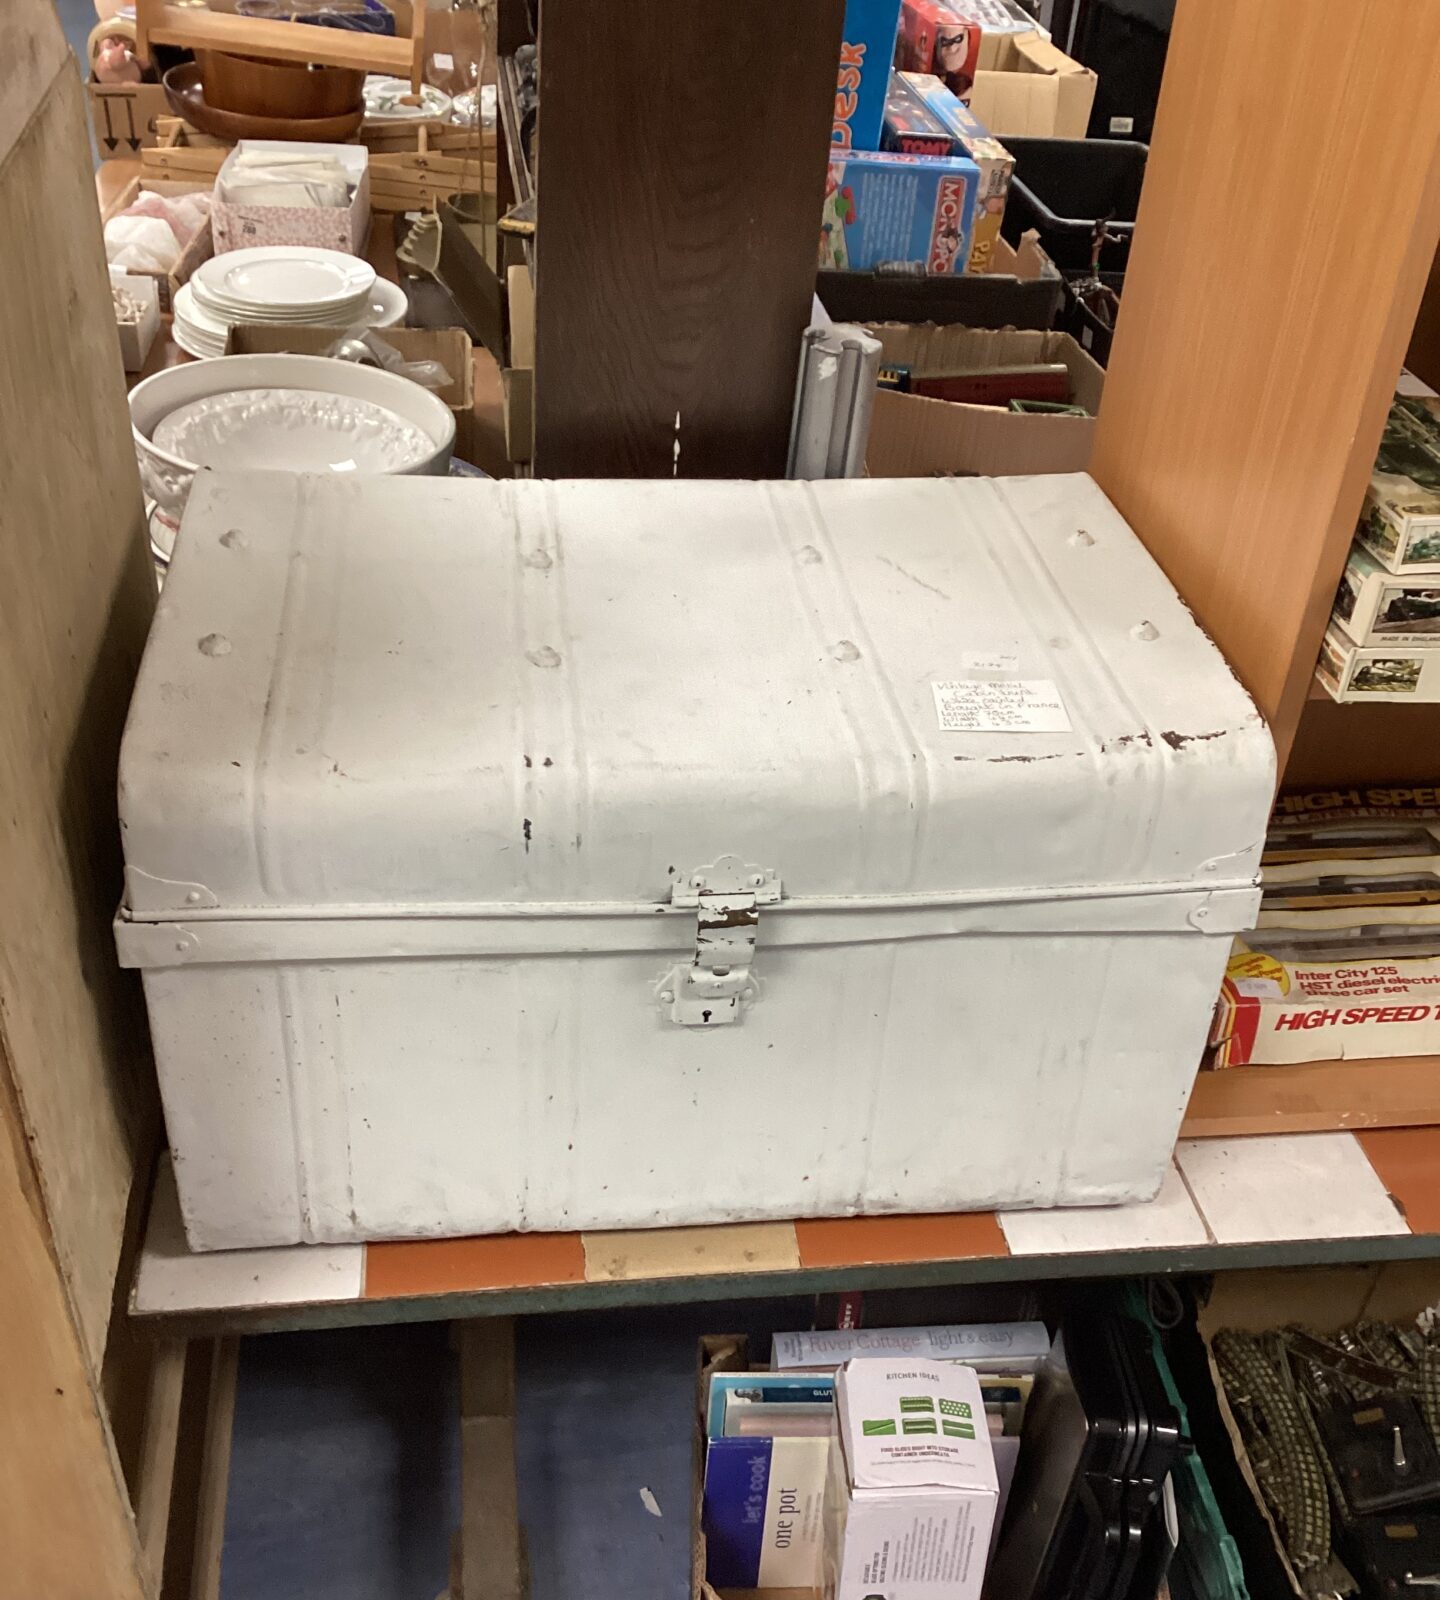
{"type": "Point", "coordinates": [727, 897]}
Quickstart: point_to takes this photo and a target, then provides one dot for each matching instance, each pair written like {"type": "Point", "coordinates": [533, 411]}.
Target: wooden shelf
{"type": "Point", "coordinates": [1286, 1200]}
{"type": "Point", "coordinates": [196, 29]}
{"type": "Point", "coordinates": [1313, 1096]}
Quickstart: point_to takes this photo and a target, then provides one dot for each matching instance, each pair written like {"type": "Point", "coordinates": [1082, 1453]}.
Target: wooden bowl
{"type": "Point", "coordinates": [255, 86]}
{"type": "Point", "coordinates": [184, 92]}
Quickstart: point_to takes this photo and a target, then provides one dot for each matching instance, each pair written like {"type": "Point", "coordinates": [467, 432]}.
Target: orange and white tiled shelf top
{"type": "Point", "coordinates": [1283, 1190]}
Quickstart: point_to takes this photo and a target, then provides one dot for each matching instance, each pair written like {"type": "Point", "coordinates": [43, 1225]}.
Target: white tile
{"type": "Point", "coordinates": [173, 1278]}
{"type": "Point", "coordinates": [1167, 1222]}
{"type": "Point", "coordinates": [1287, 1186]}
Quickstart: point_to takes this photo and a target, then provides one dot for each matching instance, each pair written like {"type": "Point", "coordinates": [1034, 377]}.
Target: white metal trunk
{"type": "Point", "coordinates": [420, 777]}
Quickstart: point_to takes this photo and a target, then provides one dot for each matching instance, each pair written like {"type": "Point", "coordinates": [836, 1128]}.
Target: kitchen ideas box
{"type": "Point", "coordinates": [606, 855]}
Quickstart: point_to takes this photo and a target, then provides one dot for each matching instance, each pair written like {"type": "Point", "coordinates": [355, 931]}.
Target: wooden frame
{"type": "Point", "coordinates": [161, 22]}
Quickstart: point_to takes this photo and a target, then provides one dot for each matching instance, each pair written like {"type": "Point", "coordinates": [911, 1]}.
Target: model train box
{"type": "Point", "coordinates": [1277, 1006]}
{"type": "Point", "coordinates": [1400, 524]}
{"type": "Point", "coordinates": [1379, 607]}
{"type": "Point", "coordinates": [1394, 672]}
{"type": "Point", "coordinates": [883, 208]}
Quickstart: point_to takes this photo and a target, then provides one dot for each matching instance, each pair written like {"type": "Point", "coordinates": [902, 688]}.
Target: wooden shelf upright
{"type": "Point", "coordinates": [1289, 220]}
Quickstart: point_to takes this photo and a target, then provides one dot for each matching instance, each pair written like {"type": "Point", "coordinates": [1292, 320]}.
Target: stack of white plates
{"type": "Point", "coordinates": [281, 283]}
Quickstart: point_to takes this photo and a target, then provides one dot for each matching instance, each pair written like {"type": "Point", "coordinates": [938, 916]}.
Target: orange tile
{"type": "Point", "coordinates": [1407, 1161]}
{"type": "Point", "coordinates": [858, 1241]}
{"type": "Point", "coordinates": [404, 1268]}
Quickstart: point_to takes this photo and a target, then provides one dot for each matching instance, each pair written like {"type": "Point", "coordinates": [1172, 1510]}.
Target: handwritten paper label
{"type": "Point", "coordinates": [1015, 705]}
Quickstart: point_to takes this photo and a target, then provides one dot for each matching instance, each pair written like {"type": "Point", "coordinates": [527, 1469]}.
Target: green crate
{"type": "Point", "coordinates": [1208, 1556]}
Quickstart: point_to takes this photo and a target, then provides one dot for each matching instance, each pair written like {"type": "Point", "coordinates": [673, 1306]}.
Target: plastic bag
{"type": "Point", "coordinates": [152, 234]}
{"type": "Point", "coordinates": [428, 374]}
{"type": "Point", "coordinates": [141, 244]}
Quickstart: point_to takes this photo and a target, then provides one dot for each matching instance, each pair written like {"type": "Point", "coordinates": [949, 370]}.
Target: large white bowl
{"type": "Point", "coordinates": [167, 478]}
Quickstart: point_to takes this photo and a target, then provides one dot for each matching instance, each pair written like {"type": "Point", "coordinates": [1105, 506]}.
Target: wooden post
{"type": "Point", "coordinates": [490, 1561]}
{"type": "Point", "coordinates": [682, 155]}
{"type": "Point", "coordinates": [1290, 215]}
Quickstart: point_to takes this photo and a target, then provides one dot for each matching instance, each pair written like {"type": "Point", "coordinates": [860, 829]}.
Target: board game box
{"type": "Point", "coordinates": [993, 161]}
{"type": "Point", "coordinates": [883, 207]}
{"type": "Point", "coordinates": [867, 53]}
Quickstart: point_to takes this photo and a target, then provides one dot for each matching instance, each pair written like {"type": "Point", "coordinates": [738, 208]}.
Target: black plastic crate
{"type": "Point", "coordinates": [1081, 323]}
{"type": "Point", "coordinates": [975, 299]}
{"type": "Point", "coordinates": [1062, 187]}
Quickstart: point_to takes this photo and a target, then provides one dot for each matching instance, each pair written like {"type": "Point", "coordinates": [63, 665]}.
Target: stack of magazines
{"type": "Point", "coordinates": [1345, 961]}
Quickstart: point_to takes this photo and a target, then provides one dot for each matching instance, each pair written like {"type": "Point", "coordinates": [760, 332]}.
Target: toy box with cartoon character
{"type": "Point", "coordinates": [973, 139]}
{"type": "Point", "coordinates": [882, 207]}
{"type": "Point", "coordinates": [933, 38]}
{"type": "Point", "coordinates": [867, 52]}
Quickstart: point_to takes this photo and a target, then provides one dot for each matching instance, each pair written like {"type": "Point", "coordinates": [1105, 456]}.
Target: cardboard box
{"type": "Point", "coordinates": [1400, 524]}
{"type": "Point", "coordinates": [1375, 606]}
{"type": "Point", "coordinates": [867, 52]}
{"type": "Point", "coordinates": [1397, 673]}
{"type": "Point", "coordinates": [199, 250]}
{"type": "Point", "coordinates": [882, 208]}
{"type": "Point", "coordinates": [451, 347]}
{"type": "Point", "coordinates": [332, 228]}
{"type": "Point", "coordinates": [910, 1501]}
{"type": "Point", "coordinates": [1274, 1010]}
{"type": "Point", "coordinates": [1031, 89]}
{"type": "Point", "coordinates": [1323, 1300]}
{"type": "Point", "coordinates": [124, 117]}
{"type": "Point", "coordinates": [911, 437]}
{"type": "Point", "coordinates": [136, 337]}
{"type": "Point", "coordinates": [972, 138]}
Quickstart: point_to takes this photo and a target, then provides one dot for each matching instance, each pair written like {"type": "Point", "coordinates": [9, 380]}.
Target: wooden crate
{"type": "Point", "coordinates": [182, 153]}
{"type": "Point", "coordinates": [412, 166]}
{"type": "Point", "coordinates": [416, 170]}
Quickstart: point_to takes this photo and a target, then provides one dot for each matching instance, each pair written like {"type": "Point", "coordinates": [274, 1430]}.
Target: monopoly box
{"type": "Point", "coordinates": [883, 207]}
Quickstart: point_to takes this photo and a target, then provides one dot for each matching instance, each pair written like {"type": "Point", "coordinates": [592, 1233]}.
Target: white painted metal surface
{"type": "Point", "coordinates": [420, 775]}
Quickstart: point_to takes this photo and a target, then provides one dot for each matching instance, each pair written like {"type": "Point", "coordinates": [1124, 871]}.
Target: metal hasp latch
{"type": "Point", "coordinates": [727, 897]}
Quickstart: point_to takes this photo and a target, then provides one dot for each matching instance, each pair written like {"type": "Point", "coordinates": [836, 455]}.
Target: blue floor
{"type": "Point", "coordinates": [344, 1480]}
{"type": "Point", "coordinates": [77, 17]}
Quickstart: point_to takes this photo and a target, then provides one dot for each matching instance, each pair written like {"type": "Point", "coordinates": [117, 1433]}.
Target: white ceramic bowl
{"type": "Point", "coordinates": [167, 478]}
